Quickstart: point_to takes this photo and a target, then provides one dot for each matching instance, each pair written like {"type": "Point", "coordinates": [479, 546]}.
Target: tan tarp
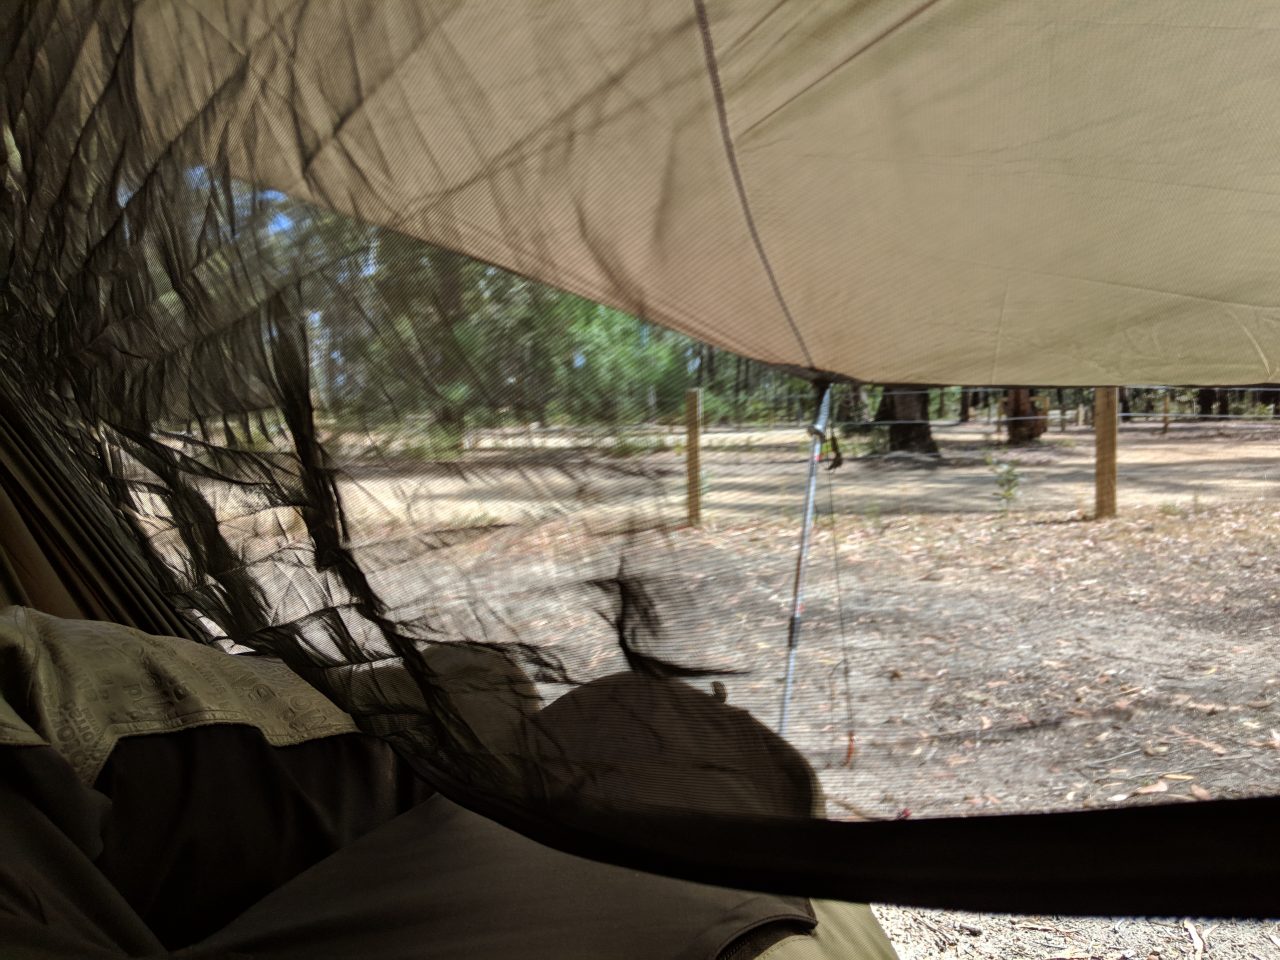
{"type": "Point", "coordinates": [972, 191]}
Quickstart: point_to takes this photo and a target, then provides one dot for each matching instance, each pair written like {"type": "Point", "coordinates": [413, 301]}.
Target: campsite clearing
{"type": "Point", "coordinates": [957, 658]}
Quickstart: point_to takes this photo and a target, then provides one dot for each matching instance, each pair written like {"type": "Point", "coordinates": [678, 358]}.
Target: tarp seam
{"type": "Point", "coordinates": [731, 155]}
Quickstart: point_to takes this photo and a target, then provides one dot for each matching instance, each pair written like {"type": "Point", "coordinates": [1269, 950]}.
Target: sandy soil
{"type": "Point", "coordinates": [1032, 660]}
{"type": "Point", "coordinates": [759, 474]}
{"type": "Point", "coordinates": [982, 660]}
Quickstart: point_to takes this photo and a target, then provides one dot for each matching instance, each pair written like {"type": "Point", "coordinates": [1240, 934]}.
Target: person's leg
{"type": "Point", "coordinates": [845, 931]}
{"type": "Point", "coordinates": [207, 821]}
{"type": "Point", "coordinates": [54, 902]}
{"type": "Point", "coordinates": [445, 883]}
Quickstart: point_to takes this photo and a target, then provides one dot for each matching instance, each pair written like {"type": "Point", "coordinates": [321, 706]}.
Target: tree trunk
{"type": "Point", "coordinates": [859, 405]}
{"type": "Point", "coordinates": [1025, 421]}
{"type": "Point", "coordinates": [738, 377]}
{"type": "Point", "coordinates": [1224, 403]}
{"type": "Point", "coordinates": [841, 404]}
{"type": "Point", "coordinates": [1269, 398]}
{"type": "Point", "coordinates": [911, 405]}
{"type": "Point", "coordinates": [964, 405]}
{"type": "Point", "coordinates": [448, 292]}
{"type": "Point", "coordinates": [1204, 402]}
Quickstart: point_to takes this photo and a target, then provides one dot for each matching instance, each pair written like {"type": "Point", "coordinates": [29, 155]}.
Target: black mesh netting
{"type": "Point", "coordinates": [454, 499]}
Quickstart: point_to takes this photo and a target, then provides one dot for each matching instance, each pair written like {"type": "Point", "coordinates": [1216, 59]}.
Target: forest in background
{"type": "Point", "coordinates": [450, 344]}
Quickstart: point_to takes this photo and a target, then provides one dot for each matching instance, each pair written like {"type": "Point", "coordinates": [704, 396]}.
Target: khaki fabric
{"type": "Point", "coordinates": [1078, 192]}
{"type": "Point", "coordinates": [437, 879]}
{"type": "Point", "coordinates": [848, 931]}
{"type": "Point", "coordinates": [442, 882]}
{"type": "Point", "coordinates": [79, 686]}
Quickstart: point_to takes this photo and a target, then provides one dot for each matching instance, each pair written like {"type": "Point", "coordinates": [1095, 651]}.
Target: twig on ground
{"type": "Point", "coordinates": [1038, 926]}
{"type": "Point", "coordinates": [1197, 942]}
{"type": "Point", "coordinates": [856, 810]}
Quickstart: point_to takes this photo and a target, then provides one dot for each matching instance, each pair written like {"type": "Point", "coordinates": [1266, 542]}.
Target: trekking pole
{"type": "Point", "coordinates": [817, 433]}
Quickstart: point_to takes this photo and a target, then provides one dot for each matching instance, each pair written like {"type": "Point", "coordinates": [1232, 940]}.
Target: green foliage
{"type": "Point", "coordinates": [1007, 481]}
{"type": "Point", "coordinates": [1261, 411]}
{"type": "Point", "coordinates": [874, 443]}
{"type": "Point", "coordinates": [635, 445]}
{"type": "Point", "coordinates": [435, 443]}
{"type": "Point", "coordinates": [400, 332]}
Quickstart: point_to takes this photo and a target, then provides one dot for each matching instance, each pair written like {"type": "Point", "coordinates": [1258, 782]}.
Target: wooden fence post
{"type": "Point", "coordinates": [693, 458]}
{"type": "Point", "coordinates": [1105, 431]}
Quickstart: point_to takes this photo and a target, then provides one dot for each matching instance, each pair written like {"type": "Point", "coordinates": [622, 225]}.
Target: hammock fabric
{"type": "Point", "coordinates": [253, 254]}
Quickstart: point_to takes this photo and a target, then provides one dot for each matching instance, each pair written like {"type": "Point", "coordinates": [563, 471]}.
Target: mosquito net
{"type": "Point", "coordinates": [337, 329]}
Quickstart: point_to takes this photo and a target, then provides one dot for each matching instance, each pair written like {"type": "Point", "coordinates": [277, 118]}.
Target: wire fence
{"type": "Point", "coordinates": [864, 408]}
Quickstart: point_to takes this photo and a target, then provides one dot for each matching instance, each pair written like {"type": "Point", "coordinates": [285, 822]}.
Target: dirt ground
{"type": "Point", "coordinates": [1145, 644]}
{"type": "Point", "coordinates": [759, 474]}
{"type": "Point", "coordinates": [1085, 661]}
{"type": "Point", "coordinates": [1044, 662]}
{"type": "Point", "coordinates": [1155, 638]}
{"type": "Point", "coordinates": [1004, 661]}
{"type": "Point", "coordinates": [979, 659]}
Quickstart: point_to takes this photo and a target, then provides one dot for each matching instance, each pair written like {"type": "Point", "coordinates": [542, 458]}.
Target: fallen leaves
{"type": "Point", "coordinates": [1160, 786]}
{"type": "Point", "coordinates": [1019, 925]}
{"type": "Point", "coordinates": [1215, 748]}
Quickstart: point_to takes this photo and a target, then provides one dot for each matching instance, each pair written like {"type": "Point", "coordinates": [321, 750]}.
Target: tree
{"type": "Point", "coordinates": [1270, 398]}
{"type": "Point", "coordinates": [1026, 421]}
{"type": "Point", "coordinates": [1205, 398]}
{"type": "Point", "coordinates": [906, 412]}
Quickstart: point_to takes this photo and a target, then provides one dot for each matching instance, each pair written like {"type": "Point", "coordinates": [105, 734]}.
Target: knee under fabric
{"type": "Point", "coordinates": [631, 741]}
{"type": "Point", "coordinates": [173, 812]}
{"type": "Point", "coordinates": [443, 881]}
